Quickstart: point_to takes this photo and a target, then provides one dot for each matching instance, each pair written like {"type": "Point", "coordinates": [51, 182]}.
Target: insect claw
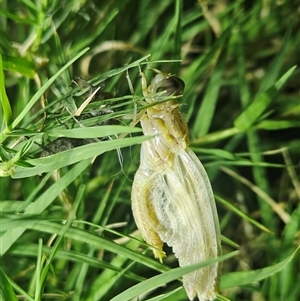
{"type": "Point", "coordinates": [159, 254]}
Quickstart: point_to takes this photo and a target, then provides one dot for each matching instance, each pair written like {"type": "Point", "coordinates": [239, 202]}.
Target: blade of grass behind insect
{"type": "Point", "coordinates": [196, 70]}
{"type": "Point", "coordinates": [109, 17]}
{"type": "Point", "coordinates": [63, 85]}
{"type": "Point", "coordinates": [254, 143]}
{"type": "Point", "coordinates": [277, 65]}
{"type": "Point", "coordinates": [78, 279]}
{"type": "Point", "coordinates": [245, 120]}
{"type": "Point", "coordinates": [34, 193]}
{"type": "Point", "coordinates": [177, 33]}
{"type": "Point", "coordinates": [5, 111]}
{"type": "Point", "coordinates": [224, 154]}
{"type": "Point", "coordinates": [60, 13]}
{"type": "Point", "coordinates": [110, 204]}
{"type": "Point", "coordinates": [60, 236]}
{"type": "Point", "coordinates": [43, 19]}
{"type": "Point", "coordinates": [251, 114]}
{"type": "Point", "coordinates": [273, 125]}
{"type": "Point", "coordinates": [83, 236]}
{"type": "Point", "coordinates": [39, 285]}
{"type": "Point", "coordinates": [208, 105]}
{"type": "Point", "coordinates": [17, 18]}
{"type": "Point", "coordinates": [217, 136]}
{"type": "Point", "coordinates": [170, 296]}
{"type": "Point", "coordinates": [244, 163]}
{"type": "Point", "coordinates": [18, 64]}
{"type": "Point", "coordinates": [290, 232]}
{"type": "Point", "coordinates": [266, 199]}
{"type": "Point", "coordinates": [287, 275]}
{"type": "Point", "coordinates": [246, 277]}
{"type": "Point", "coordinates": [268, 87]}
{"type": "Point", "coordinates": [157, 51]}
{"type": "Point", "coordinates": [19, 290]}
{"type": "Point", "coordinates": [112, 73]}
{"type": "Point", "coordinates": [260, 177]}
{"type": "Point", "coordinates": [6, 290]}
{"type": "Point", "coordinates": [234, 209]}
{"type": "Point", "coordinates": [74, 256]}
{"type": "Point", "coordinates": [109, 279]}
{"type": "Point", "coordinates": [43, 89]}
{"type": "Point", "coordinates": [41, 203]}
{"type": "Point", "coordinates": [147, 18]}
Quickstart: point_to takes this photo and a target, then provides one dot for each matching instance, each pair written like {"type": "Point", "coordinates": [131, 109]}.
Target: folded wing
{"type": "Point", "coordinates": [177, 207]}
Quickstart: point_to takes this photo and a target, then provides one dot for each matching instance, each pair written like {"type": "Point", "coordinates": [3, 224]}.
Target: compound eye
{"type": "Point", "coordinates": [170, 85]}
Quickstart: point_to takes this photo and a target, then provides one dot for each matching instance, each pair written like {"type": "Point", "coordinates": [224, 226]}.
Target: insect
{"type": "Point", "coordinates": [172, 198]}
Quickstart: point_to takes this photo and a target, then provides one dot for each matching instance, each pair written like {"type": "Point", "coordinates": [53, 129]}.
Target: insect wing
{"type": "Point", "coordinates": [178, 207]}
{"type": "Point", "coordinates": [203, 232]}
{"type": "Point", "coordinates": [142, 206]}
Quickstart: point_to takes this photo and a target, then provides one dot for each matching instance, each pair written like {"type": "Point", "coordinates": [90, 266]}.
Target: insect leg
{"type": "Point", "coordinates": [144, 83]}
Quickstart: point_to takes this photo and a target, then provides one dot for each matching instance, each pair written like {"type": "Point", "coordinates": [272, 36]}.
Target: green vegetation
{"type": "Point", "coordinates": [70, 235]}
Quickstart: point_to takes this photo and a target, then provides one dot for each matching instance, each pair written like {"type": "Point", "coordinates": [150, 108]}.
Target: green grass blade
{"type": "Point", "coordinates": [259, 105]}
{"type": "Point", "coordinates": [6, 290]}
{"type": "Point", "coordinates": [241, 278]}
{"type": "Point", "coordinates": [71, 156]}
{"type": "Point", "coordinates": [166, 277]}
{"type": "Point", "coordinates": [209, 102]}
{"type": "Point", "coordinates": [43, 89]}
{"type": "Point", "coordinates": [37, 207]}
{"type": "Point", "coordinates": [5, 111]}
{"type": "Point", "coordinates": [79, 235]}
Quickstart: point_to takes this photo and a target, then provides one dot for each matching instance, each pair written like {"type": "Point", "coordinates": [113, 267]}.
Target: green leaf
{"type": "Point", "coordinates": [6, 290]}
{"type": "Point", "coordinates": [6, 108]}
{"type": "Point", "coordinates": [241, 214]}
{"type": "Point", "coordinates": [259, 105]}
{"type": "Point", "coordinates": [16, 18]}
{"type": "Point", "coordinates": [20, 224]}
{"type": "Point", "coordinates": [93, 132]}
{"type": "Point", "coordinates": [273, 125]}
{"type": "Point", "coordinates": [19, 64]}
{"type": "Point", "coordinates": [109, 17]}
{"type": "Point", "coordinates": [71, 156]}
{"type": "Point", "coordinates": [166, 277]}
{"type": "Point", "coordinates": [241, 278]}
{"type": "Point", "coordinates": [168, 296]}
{"type": "Point", "coordinates": [209, 102]}
{"type": "Point", "coordinates": [74, 256]}
{"type": "Point", "coordinates": [42, 90]}
{"type": "Point", "coordinates": [41, 203]}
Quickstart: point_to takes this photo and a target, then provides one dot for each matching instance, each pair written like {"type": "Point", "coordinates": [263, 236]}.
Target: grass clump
{"type": "Point", "coordinates": [67, 231]}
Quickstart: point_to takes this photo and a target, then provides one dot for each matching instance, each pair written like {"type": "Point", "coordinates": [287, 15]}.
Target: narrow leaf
{"type": "Point", "coordinates": [241, 278]}
{"type": "Point", "coordinates": [6, 290]}
{"type": "Point", "coordinates": [259, 105]}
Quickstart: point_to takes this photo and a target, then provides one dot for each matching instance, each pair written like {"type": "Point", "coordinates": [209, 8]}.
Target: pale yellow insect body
{"type": "Point", "coordinates": [172, 199]}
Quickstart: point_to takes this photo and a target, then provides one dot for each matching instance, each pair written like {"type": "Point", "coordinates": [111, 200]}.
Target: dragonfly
{"type": "Point", "coordinates": [172, 198]}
